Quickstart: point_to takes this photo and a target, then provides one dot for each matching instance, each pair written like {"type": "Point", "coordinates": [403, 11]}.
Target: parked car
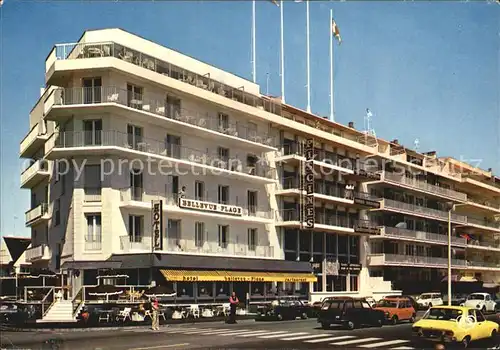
{"type": "Point", "coordinates": [412, 299]}
{"type": "Point", "coordinates": [481, 301]}
{"type": "Point", "coordinates": [397, 309]}
{"type": "Point", "coordinates": [427, 300]}
{"type": "Point", "coordinates": [284, 309]}
{"type": "Point", "coordinates": [349, 312]}
{"type": "Point", "coordinates": [455, 324]}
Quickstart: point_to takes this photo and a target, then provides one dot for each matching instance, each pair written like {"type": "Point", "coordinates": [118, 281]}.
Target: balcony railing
{"type": "Point", "coordinates": [389, 203]}
{"type": "Point", "coordinates": [40, 167]}
{"type": "Point", "coordinates": [419, 260]}
{"type": "Point", "coordinates": [93, 194]}
{"type": "Point", "coordinates": [37, 212]}
{"type": "Point", "coordinates": [181, 245]}
{"type": "Point", "coordinates": [483, 222]}
{"type": "Point", "coordinates": [206, 120]}
{"type": "Point", "coordinates": [111, 49]}
{"type": "Point", "coordinates": [487, 244]}
{"type": "Point", "coordinates": [92, 245]}
{"type": "Point", "coordinates": [114, 138]}
{"type": "Point", "coordinates": [36, 133]}
{"type": "Point", "coordinates": [421, 185]}
{"type": "Point", "coordinates": [423, 236]}
{"type": "Point", "coordinates": [40, 252]}
{"type": "Point", "coordinates": [484, 202]}
{"type": "Point", "coordinates": [483, 264]}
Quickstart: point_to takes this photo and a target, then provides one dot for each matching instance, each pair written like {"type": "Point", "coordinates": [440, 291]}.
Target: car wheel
{"type": "Point", "coordinates": [325, 326]}
{"type": "Point", "coordinates": [279, 317]}
{"type": "Point", "coordinates": [466, 342]}
{"type": "Point", "coordinates": [303, 316]}
{"type": "Point", "coordinates": [412, 318]}
{"type": "Point", "coordinates": [494, 335]}
{"type": "Point", "coordinates": [394, 320]}
{"type": "Point", "coordinates": [350, 325]}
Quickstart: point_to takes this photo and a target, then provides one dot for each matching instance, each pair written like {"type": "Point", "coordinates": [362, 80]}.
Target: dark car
{"type": "Point", "coordinates": [284, 310]}
{"type": "Point", "coordinates": [349, 312]}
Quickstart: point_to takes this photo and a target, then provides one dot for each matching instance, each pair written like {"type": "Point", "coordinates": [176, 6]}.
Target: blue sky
{"type": "Point", "coordinates": [427, 70]}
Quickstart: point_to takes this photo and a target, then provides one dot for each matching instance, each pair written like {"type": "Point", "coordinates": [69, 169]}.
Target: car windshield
{"type": "Point", "coordinates": [387, 303]}
{"type": "Point", "coordinates": [442, 314]}
{"type": "Point", "coordinates": [425, 296]}
{"type": "Point", "coordinates": [475, 297]}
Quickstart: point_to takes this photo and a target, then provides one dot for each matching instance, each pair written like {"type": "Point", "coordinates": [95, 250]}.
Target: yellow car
{"type": "Point", "coordinates": [454, 324]}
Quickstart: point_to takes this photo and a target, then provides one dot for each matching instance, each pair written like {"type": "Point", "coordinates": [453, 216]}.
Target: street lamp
{"type": "Point", "coordinates": [451, 208]}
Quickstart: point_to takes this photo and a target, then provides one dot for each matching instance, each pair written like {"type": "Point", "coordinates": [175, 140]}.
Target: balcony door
{"type": "Point", "coordinates": [92, 132]}
{"type": "Point", "coordinates": [173, 109]}
{"type": "Point", "coordinates": [174, 232]}
{"type": "Point", "coordinates": [252, 202]}
{"type": "Point", "coordinates": [173, 187]}
{"type": "Point", "coordinates": [173, 146]}
{"type": "Point", "coordinates": [134, 136]}
{"type": "Point", "coordinates": [136, 182]}
{"type": "Point", "coordinates": [92, 90]}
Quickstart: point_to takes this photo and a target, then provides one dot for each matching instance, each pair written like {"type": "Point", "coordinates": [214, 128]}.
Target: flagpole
{"type": "Point", "coordinates": [332, 117]}
{"type": "Point", "coordinates": [308, 60]}
{"type": "Point", "coordinates": [282, 55]}
{"type": "Point", "coordinates": [254, 64]}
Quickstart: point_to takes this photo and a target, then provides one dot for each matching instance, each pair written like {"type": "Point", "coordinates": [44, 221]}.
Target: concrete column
{"type": "Point", "coordinates": [323, 265]}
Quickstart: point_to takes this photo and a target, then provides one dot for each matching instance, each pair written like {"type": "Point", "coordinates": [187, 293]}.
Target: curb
{"type": "Point", "coordinates": [114, 328]}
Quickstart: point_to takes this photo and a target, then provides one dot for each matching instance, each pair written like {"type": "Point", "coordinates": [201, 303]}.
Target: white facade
{"type": "Point", "coordinates": [117, 104]}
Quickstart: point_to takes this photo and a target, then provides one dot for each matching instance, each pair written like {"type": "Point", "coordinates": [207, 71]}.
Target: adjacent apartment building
{"type": "Point", "coordinates": [148, 161]}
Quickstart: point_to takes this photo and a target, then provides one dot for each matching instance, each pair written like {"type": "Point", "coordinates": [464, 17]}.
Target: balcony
{"type": "Point", "coordinates": [208, 206]}
{"type": "Point", "coordinates": [479, 265]}
{"type": "Point", "coordinates": [420, 236]}
{"type": "Point", "coordinates": [38, 253]}
{"type": "Point", "coordinates": [485, 223]}
{"type": "Point", "coordinates": [168, 115]}
{"type": "Point", "coordinates": [423, 186]}
{"type": "Point", "coordinates": [33, 141]}
{"type": "Point", "coordinates": [192, 247]}
{"type": "Point", "coordinates": [413, 209]}
{"type": "Point", "coordinates": [168, 155]}
{"type": "Point", "coordinates": [35, 173]}
{"type": "Point", "coordinates": [92, 194]}
{"type": "Point", "coordinates": [483, 204]}
{"type": "Point", "coordinates": [166, 69]}
{"type": "Point", "coordinates": [413, 261]}
{"type": "Point", "coordinates": [37, 214]}
{"type": "Point", "coordinates": [484, 245]}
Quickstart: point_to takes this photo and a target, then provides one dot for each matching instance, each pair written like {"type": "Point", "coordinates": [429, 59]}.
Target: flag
{"type": "Point", "coordinates": [275, 2]}
{"type": "Point", "coordinates": [336, 32]}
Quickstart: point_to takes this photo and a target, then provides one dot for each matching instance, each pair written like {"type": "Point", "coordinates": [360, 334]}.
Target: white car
{"type": "Point", "coordinates": [427, 300]}
{"type": "Point", "coordinates": [481, 301]}
{"type": "Point", "coordinates": [371, 301]}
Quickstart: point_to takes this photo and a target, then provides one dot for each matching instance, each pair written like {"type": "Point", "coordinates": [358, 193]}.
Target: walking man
{"type": "Point", "coordinates": [156, 317]}
{"type": "Point", "coordinates": [233, 302]}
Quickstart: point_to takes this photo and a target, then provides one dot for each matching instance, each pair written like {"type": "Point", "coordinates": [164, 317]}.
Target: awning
{"type": "Point", "coordinates": [235, 276]}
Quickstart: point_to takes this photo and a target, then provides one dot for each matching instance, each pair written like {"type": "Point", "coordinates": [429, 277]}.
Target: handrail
{"type": "Point", "coordinates": [49, 293]}
{"type": "Point", "coordinates": [76, 304]}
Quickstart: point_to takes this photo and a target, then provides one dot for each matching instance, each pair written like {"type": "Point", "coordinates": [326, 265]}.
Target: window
{"type": "Point", "coordinates": [223, 154]}
{"type": "Point", "coordinates": [252, 129]}
{"type": "Point", "coordinates": [199, 234]}
{"type": "Point", "coordinates": [480, 316]}
{"type": "Point", "coordinates": [223, 236]}
{"type": "Point", "coordinates": [174, 232]}
{"type": "Point", "coordinates": [92, 182]}
{"type": "Point", "coordinates": [92, 132]}
{"type": "Point", "coordinates": [223, 122]}
{"type": "Point", "coordinates": [354, 283]}
{"type": "Point", "coordinates": [93, 228]}
{"type": "Point", "coordinates": [92, 90]}
{"type": "Point", "coordinates": [173, 146]}
{"type": "Point", "coordinates": [134, 136]}
{"type": "Point", "coordinates": [57, 212]}
{"type": "Point", "coordinates": [199, 190]}
{"type": "Point", "coordinates": [173, 107]}
{"type": "Point", "coordinates": [136, 181]}
{"type": "Point", "coordinates": [135, 228]}
{"type": "Point", "coordinates": [134, 96]}
{"type": "Point", "coordinates": [252, 202]}
{"type": "Point", "coordinates": [223, 194]}
{"type": "Point", "coordinates": [252, 239]}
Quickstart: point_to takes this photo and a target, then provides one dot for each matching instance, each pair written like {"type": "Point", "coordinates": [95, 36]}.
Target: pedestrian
{"type": "Point", "coordinates": [233, 302]}
{"type": "Point", "coordinates": [155, 326]}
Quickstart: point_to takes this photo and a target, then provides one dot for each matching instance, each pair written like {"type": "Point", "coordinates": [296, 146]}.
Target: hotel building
{"type": "Point", "coordinates": [152, 163]}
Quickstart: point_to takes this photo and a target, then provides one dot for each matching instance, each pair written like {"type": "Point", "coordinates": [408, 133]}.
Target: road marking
{"type": "Point", "coordinates": [328, 339]}
{"type": "Point", "coordinates": [238, 333]}
{"type": "Point", "coordinates": [384, 343]}
{"type": "Point", "coordinates": [177, 330]}
{"type": "Point", "coordinates": [220, 331]}
{"type": "Point", "coordinates": [160, 346]}
{"type": "Point", "coordinates": [279, 335]}
{"type": "Point", "coordinates": [403, 348]}
{"type": "Point", "coordinates": [362, 340]}
{"type": "Point", "coordinates": [196, 331]}
{"type": "Point", "coordinates": [254, 334]}
{"type": "Point", "coordinates": [307, 337]}
{"type": "Point", "coordinates": [272, 334]}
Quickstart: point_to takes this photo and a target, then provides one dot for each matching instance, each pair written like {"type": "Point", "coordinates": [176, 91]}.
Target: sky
{"type": "Point", "coordinates": [427, 70]}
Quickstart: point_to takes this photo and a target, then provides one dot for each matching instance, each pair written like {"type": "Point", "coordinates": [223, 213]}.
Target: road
{"type": "Point", "coordinates": [300, 334]}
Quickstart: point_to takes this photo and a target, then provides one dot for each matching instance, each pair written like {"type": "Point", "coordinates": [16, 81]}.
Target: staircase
{"type": "Point", "coordinates": [61, 312]}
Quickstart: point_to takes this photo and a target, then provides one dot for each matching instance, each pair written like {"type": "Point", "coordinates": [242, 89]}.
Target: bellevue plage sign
{"type": "Point", "coordinates": [211, 207]}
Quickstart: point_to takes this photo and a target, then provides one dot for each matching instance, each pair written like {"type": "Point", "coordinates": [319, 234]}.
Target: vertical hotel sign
{"type": "Point", "coordinates": [157, 215]}
{"type": "Point", "coordinates": [309, 183]}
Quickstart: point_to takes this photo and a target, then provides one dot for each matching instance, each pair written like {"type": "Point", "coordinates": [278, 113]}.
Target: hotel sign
{"type": "Point", "coordinates": [243, 279]}
{"type": "Point", "coordinates": [366, 202]}
{"type": "Point", "coordinates": [366, 229]}
{"type": "Point", "coordinates": [210, 207]}
{"type": "Point", "coordinates": [157, 218]}
{"type": "Point", "coordinates": [350, 268]}
{"type": "Point", "coordinates": [309, 183]}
